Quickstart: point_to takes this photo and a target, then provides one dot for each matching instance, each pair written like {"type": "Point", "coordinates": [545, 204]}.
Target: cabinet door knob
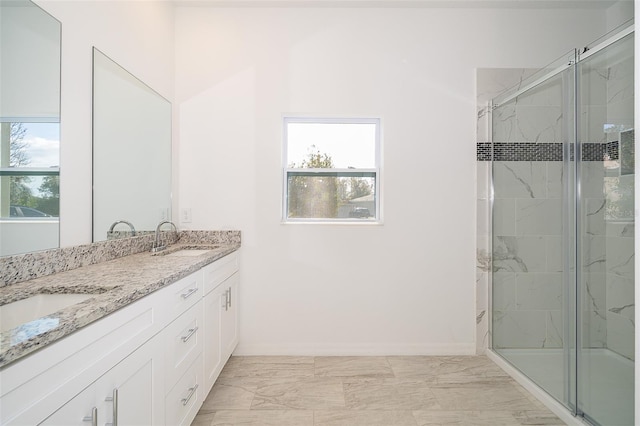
{"type": "Point", "coordinates": [93, 418]}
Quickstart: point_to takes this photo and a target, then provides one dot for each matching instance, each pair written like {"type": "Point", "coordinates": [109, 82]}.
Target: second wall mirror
{"type": "Point", "coordinates": [131, 151]}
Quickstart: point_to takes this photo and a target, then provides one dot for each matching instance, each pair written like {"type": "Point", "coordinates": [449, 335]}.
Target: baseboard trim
{"type": "Point", "coordinates": [345, 349]}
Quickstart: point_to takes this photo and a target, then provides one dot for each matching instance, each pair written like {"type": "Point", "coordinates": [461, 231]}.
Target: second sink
{"type": "Point", "coordinates": [189, 252]}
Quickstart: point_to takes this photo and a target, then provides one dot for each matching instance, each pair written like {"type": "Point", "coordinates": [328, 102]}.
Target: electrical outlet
{"type": "Point", "coordinates": [185, 215]}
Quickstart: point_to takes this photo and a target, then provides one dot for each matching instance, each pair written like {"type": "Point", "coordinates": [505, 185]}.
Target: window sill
{"type": "Point", "coordinates": [338, 223]}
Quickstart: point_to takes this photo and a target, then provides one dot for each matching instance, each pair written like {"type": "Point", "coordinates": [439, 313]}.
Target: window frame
{"type": "Point", "coordinates": [338, 172]}
{"type": "Point", "coordinates": [29, 171]}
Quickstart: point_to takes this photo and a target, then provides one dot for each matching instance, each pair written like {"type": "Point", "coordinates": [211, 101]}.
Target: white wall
{"type": "Point", "coordinates": [137, 35]}
{"type": "Point", "coordinates": [407, 286]}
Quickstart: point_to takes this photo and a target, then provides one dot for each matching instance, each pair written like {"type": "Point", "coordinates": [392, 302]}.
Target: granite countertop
{"type": "Point", "coordinates": [112, 285]}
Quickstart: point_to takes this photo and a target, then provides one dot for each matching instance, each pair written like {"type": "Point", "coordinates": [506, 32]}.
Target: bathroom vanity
{"type": "Point", "coordinates": [145, 348]}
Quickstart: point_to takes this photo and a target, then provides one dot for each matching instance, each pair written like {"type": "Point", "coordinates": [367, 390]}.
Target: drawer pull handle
{"type": "Point", "coordinates": [225, 305]}
{"type": "Point", "coordinates": [190, 333]}
{"type": "Point", "coordinates": [113, 399]}
{"type": "Point", "coordinates": [94, 417]}
{"type": "Point", "coordinates": [189, 293]}
{"type": "Point", "coordinates": [229, 296]}
{"type": "Point", "coordinates": [192, 390]}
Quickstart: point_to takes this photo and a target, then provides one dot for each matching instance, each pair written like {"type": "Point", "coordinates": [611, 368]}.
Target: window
{"type": "Point", "coordinates": [331, 170]}
{"type": "Point", "coordinates": [29, 172]}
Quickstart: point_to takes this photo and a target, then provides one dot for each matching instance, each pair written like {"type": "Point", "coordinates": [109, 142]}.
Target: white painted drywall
{"type": "Point", "coordinates": [137, 35]}
{"type": "Point", "coordinates": [407, 286]}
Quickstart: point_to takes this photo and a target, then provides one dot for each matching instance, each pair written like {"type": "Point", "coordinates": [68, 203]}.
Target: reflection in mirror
{"type": "Point", "coordinates": [29, 128]}
{"type": "Point", "coordinates": [131, 151]}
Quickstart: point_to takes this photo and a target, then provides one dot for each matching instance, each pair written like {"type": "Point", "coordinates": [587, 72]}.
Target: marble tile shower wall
{"type": "Point", "coordinates": [489, 84]}
{"type": "Point", "coordinates": [528, 209]}
{"type": "Point", "coordinates": [527, 250]}
{"type": "Point", "coordinates": [619, 219]}
{"type": "Point", "coordinates": [527, 265]}
{"type": "Point", "coordinates": [608, 204]}
{"type": "Point", "coordinates": [24, 267]}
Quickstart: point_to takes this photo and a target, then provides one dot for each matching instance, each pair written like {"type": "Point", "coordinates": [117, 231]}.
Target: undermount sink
{"type": "Point", "coordinates": [189, 252]}
{"type": "Point", "coordinates": [40, 305]}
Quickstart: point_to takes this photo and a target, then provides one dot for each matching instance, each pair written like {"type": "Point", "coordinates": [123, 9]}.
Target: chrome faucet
{"type": "Point", "coordinates": [133, 230]}
{"type": "Point", "coordinates": [156, 245]}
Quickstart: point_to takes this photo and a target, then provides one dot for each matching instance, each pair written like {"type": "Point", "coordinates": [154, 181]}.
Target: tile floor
{"type": "Point", "coordinates": [369, 391]}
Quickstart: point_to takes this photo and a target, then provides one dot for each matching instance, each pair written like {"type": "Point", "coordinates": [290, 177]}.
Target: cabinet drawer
{"type": "Point", "coordinates": [220, 270]}
{"type": "Point", "coordinates": [186, 293]}
{"type": "Point", "coordinates": [184, 400]}
{"type": "Point", "coordinates": [183, 343]}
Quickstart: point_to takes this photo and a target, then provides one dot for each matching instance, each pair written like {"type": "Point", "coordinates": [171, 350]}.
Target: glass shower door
{"type": "Point", "coordinates": [563, 231]}
{"type": "Point", "coordinates": [533, 231]}
{"type": "Point", "coordinates": [606, 234]}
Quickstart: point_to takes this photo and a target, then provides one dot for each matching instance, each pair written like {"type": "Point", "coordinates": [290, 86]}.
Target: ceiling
{"type": "Point", "coordinates": [515, 4]}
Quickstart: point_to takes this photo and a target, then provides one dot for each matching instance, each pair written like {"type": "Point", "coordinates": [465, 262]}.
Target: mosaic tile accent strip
{"type": "Point", "coordinates": [527, 151]}
{"type": "Point", "coordinates": [28, 266]}
{"type": "Point", "coordinates": [483, 150]}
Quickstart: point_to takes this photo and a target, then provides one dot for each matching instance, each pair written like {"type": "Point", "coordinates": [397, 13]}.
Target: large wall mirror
{"type": "Point", "coordinates": [29, 128]}
{"type": "Point", "coordinates": [131, 152]}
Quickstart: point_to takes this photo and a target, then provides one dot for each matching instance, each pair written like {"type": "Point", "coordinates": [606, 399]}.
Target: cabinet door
{"type": "Point", "coordinates": [80, 411]}
{"type": "Point", "coordinates": [229, 323]}
{"type": "Point", "coordinates": [132, 391]}
{"type": "Point", "coordinates": [134, 387]}
{"type": "Point", "coordinates": [214, 305]}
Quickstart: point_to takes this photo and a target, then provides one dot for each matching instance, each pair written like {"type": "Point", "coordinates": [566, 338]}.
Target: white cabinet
{"type": "Point", "coordinates": [150, 363]}
{"type": "Point", "coordinates": [185, 398]}
{"type": "Point", "coordinates": [128, 394]}
{"type": "Point", "coordinates": [35, 387]}
{"type": "Point", "coordinates": [220, 316]}
{"type": "Point", "coordinates": [229, 321]}
{"type": "Point", "coordinates": [83, 410]}
{"type": "Point", "coordinates": [212, 354]}
{"type": "Point", "coordinates": [183, 342]}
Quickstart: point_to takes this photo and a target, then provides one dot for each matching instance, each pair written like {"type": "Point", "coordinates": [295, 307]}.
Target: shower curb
{"type": "Point", "coordinates": [542, 396]}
